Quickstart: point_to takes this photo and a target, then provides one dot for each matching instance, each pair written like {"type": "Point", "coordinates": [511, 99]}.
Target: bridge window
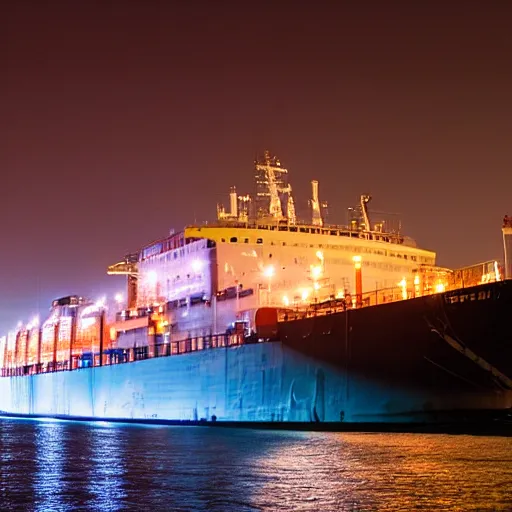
{"type": "Point", "coordinates": [259, 240]}
{"type": "Point", "coordinates": [233, 239]}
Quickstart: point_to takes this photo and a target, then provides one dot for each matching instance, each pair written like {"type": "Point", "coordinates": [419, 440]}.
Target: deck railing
{"type": "Point", "coordinates": [373, 298]}
{"type": "Point", "coordinates": [128, 355]}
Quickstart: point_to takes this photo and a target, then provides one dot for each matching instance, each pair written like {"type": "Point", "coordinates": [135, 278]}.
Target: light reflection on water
{"type": "Point", "coordinates": [61, 466]}
{"type": "Point", "coordinates": [50, 455]}
{"type": "Point", "coordinates": [105, 480]}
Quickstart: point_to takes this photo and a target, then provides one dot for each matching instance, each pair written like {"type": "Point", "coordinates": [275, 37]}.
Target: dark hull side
{"type": "Point", "coordinates": [482, 424]}
{"type": "Point", "coordinates": [449, 353]}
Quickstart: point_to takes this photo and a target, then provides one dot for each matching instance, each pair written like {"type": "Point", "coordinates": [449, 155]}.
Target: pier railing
{"type": "Point", "coordinates": [129, 355]}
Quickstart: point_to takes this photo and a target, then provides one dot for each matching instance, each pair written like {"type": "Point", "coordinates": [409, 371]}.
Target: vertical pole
{"type": "Point", "coordinates": [39, 335]}
{"type": "Point", "coordinates": [54, 350]}
{"type": "Point", "coordinates": [237, 298]}
{"type": "Point", "coordinates": [72, 340]}
{"type": "Point", "coordinates": [347, 360]}
{"type": "Point", "coordinates": [214, 311]}
{"type": "Point", "coordinates": [102, 328]}
{"type": "Point", "coordinates": [507, 245]}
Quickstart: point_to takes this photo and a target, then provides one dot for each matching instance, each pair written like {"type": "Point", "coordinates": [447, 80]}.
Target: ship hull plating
{"type": "Point", "coordinates": [430, 359]}
{"type": "Point", "coordinates": [447, 353]}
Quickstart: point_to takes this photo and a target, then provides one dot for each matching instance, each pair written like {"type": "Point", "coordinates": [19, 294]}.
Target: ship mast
{"type": "Point", "coordinates": [275, 209]}
{"type": "Point", "coordinates": [272, 188]}
{"type": "Point", "coordinates": [267, 181]}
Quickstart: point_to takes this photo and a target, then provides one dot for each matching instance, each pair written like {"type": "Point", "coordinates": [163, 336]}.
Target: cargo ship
{"type": "Point", "coordinates": [264, 318]}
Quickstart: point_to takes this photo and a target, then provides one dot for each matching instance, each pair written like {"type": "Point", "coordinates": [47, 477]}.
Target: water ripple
{"type": "Point", "coordinates": [66, 466]}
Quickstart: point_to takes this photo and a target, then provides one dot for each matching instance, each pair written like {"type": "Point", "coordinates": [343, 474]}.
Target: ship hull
{"type": "Point", "coordinates": [396, 363]}
{"type": "Point", "coordinates": [448, 353]}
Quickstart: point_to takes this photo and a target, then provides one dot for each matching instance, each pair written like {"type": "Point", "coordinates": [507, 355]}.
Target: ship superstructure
{"type": "Point", "coordinates": [263, 316]}
{"type": "Point", "coordinates": [260, 254]}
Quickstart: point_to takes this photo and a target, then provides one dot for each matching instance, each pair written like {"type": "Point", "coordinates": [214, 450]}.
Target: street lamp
{"type": "Point", "coordinates": [359, 281]}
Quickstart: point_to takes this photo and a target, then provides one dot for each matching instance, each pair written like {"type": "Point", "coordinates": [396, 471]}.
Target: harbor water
{"type": "Point", "coordinates": [50, 465]}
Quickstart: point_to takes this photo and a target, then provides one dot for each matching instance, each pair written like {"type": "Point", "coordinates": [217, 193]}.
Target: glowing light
{"type": "Point", "coordinates": [91, 309]}
{"type": "Point", "coordinates": [119, 298]}
{"type": "Point", "coordinates": [316, 286]}
{"type": "Point", "coordinates": [286, 301]}
{"type": "Point", "coordinates": [197, 265]}
{"type": "Point", "coordinates": [403, 286]}
{"type": "Point", "coordinates": [320, 255]}
{"type": "Point", "coordinates": [357, 262]}
{"type": "Point", "coordinates": [269, 271]}
{"type": "Point", "coordinates": [33, 323]}
{"type": "Point", "coordinates": [440, 288]}
{"type": "Point", "coordinates": [305, 294]}
{"type": "Point", "coordinates": [85, 323]}
{"type": "Point", "coordinates": [416, 280]}
{"type": "Point", "coordinates": [497, 271]}
{"type": "Point", "coordinates": [152, 277]}
{"type": "Point", "coordinates": [316, 271]}
{"type": "Point", "coordinates": [340, 294]}
{"type": "Point", "coordinates": [100, 303]}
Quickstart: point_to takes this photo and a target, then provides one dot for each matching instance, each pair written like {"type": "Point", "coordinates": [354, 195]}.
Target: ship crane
{"type": "Point", "coordinates": [129, 268]}
{"type": "Point", "coordinates": [365, 199]}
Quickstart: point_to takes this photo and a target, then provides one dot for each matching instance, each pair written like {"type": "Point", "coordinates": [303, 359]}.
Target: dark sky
{"type": "Point", "coordinates": [120, 120]}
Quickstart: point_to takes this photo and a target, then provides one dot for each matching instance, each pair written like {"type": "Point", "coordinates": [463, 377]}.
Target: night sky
{"type": "Point", "coordinates": [121, 120]}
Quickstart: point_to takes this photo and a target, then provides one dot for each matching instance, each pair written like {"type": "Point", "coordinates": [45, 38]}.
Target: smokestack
{"type": "Point", "coordinates": [233, 203]}
{"type": "Point", "coordinates": [315, 205]}
{"type": "Point", "coordinates": [507, 245]}
{"type": "Point", "coordinates": [314, 187]}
